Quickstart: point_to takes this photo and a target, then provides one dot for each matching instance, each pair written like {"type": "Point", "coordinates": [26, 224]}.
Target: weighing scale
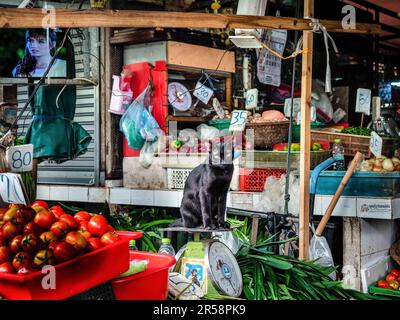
{"type": "Point", "coordinates": [179, 96]}
{"type": "Point", "coordinates": [209, 263]}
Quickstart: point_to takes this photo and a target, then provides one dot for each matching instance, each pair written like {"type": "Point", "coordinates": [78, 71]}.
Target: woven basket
{"type": "Point", "coordinates": [353, 143]}
{"type": "Point", "coordinates": [266, 134]}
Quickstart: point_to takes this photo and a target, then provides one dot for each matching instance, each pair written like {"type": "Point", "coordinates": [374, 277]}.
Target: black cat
{"type": "Point", "coordinates": [206, 189]}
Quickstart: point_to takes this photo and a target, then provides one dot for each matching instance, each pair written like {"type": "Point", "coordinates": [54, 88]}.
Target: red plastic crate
{"type": "Point", "coordinates": [151, 284]}
{"type": "Point", "coordinates": [73, 276]}
{"type": "Point", "coordinates": [254, 179]}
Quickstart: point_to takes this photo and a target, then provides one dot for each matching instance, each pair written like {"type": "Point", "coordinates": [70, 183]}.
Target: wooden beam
{"type": "Point", "coordinates": [32, 18]}
{"type": "Point", "coordinates": [305, 137]}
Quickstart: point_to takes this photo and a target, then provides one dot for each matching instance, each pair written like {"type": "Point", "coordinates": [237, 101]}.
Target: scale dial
{"type": "Point", "coordinates": [179, 96]}
{"type": "Point", "coordinates": [223, 269]}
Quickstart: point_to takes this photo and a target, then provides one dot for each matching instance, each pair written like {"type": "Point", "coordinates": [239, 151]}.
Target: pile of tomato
{"type": "Point", "coordinates": [392, 280]}
{"type": "Point", "coordinates": [35, 236]}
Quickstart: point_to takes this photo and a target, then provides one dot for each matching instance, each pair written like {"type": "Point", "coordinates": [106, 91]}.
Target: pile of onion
{"type": "Point", "coordinates": [381, 164]}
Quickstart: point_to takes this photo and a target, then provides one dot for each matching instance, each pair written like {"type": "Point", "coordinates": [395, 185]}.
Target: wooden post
{"type": "Point", "coordinates": [305, 139]}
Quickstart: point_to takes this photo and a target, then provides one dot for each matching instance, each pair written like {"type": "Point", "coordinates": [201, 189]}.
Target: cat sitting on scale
{"type": "Point", "coordinates": [206, 189]}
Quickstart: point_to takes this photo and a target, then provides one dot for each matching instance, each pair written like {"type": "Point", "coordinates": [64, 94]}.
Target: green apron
{"type": "Point", "coordinates": [52, 132]}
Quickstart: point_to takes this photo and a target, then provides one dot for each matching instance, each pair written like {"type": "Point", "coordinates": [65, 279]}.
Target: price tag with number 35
{"type": "Point", "coordinates": [20, 158]}
{"type": "Point", "coordinates": [238, 120]}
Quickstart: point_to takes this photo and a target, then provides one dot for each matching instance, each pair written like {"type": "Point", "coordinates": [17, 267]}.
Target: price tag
{"type": "Point", "coordinates": [251, 99]}
{"type": "Point", "coordinates": [338, 115]}
{"type": "Point", "coordinates": [363, 103]}
{"type": "Point", "coordinates": [296, 106]}
{"type": "Point", "coordinates": [202, 92]}
{"type": "Point", "coordinates": [20, 158]}
{"type": "Point", "coordinates": [238, 120]}
{"type": "Point", "coordinates": [376, 144]}
{"type": "Point", "coordinates": [12, 189]}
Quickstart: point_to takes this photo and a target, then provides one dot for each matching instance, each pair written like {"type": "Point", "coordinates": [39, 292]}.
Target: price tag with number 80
{"type": "Point", "coordinates": [20, 158]}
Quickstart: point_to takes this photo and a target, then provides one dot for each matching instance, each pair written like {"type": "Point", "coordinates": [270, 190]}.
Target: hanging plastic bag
{"type": "Point", "coordinates": [120, 100]}
{"type": "Point", "coordinates": [319, 250]}
{"type": "Point", "coordinates": [321, 101]}
{"type": "Point", "coordinates": [137, 123]}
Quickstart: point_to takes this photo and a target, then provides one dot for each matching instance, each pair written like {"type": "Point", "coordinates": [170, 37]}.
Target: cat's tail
{"type": "Point", "coordinates": [177, 223]}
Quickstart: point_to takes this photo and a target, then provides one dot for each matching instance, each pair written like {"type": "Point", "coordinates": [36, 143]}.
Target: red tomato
{"type": "Point", "coordinates": [110, 228]}
{"type": "Point", "coordinates": [63, 251]}
{"type": "Point", "coordinates": [59, 228]}
{"type": "Point", "coordinates": [383, 284]}
{"type": "Point", "coordinates": [85, 233]}
{"type": "Point", "coordinates": [31, 243]}
{"type": "Point", "coordinates": [40, 203]}
{"type": "Point", "coordinates": [15, 244]}
{"type": "Point", "coordinates": [57, 211]}
{"type": "Point", "coordinates": [10, 230]}
{"type": "Point", "coordinates": [94, 244]}
{"type": "Point", "coordinates": [390, 277]}
{"type": "Point", "coordinates": [44, 219]}
{"type": "Point", "coordinates": [11, 213]}
{"type": "Point", "coordinates": [3, 240]}
{"type": "Point", "coordinates": [6, 267]}
{"type": "Point", "coordinates": [109, 238]}
{"type": "Point", "coordinates": [77, 240]}
{"type": "Point", "coordinates": [395, 272]}
{"type": "Point", "coordinates": [5, 254]}
{"type": "Point", "coordinates": [83, 225]}
{"type": "Point", "coordinates": [52, 245]}
{"type": "Point", "coordinates": [43, 258]}
{"type": "Point", "coordinates": [70, 221]}
{"type": "Point", "coordinates": [32, 227]}
{"type": "Point", "coordinates": [82, 216]}
{"type": "Point", "coordinates": [48, 236]}
{"type": "Point", "coordinates": [98, 225]}
{"type": "Point", "coordinates": [22, 260]}
{"type": "Point", "coordinates": [25, 215]}
{"type": "Point", "coordinates": [2, 212]}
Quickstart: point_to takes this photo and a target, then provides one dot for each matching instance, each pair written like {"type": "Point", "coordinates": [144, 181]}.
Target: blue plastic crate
{"type": "Point", "coordinates": [361, 184]}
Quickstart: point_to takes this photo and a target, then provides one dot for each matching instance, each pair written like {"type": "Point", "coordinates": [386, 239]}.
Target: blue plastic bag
{"type": "Point", "coordinates": [137, 123]}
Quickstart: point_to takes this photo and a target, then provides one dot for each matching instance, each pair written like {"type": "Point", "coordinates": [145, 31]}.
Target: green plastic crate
{"type": "Point", "coordinates": [220, 124]}
{"type": "Point", "coordinates": [374, 289]}
{"type": "Point", "coordinates": [296, 130]}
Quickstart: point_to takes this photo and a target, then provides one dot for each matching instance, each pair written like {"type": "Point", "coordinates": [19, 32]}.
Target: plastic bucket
{"type": "Point", "coordinates": [151, 284]}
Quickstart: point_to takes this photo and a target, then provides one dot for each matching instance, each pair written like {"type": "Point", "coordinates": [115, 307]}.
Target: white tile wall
{"type": "Point", "coordinates": [142, 197]}
{"type": "Point", "coordinates": [120, 195]}
{"type": "Point", "coordinates": [80, 194]}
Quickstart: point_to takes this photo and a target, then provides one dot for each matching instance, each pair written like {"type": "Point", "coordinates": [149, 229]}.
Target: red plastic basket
{"type": "Point", "coordinates": [151, 284]}
{"type": "Point", "coordinates": [73, 276]}
{"type": "Point", "coordinates": [254, 179]}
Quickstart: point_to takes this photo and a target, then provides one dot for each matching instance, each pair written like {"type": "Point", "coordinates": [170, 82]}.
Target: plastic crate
{"type": "Point", "coordinates": [103, 291]}
{"type": "Point", "coordinates": [151, 284]}
{"type": "Point", "coordinates": [374, 289]}
{"type": "Point", "coordinates": [220, 124]}
{"type": "Point", "coordinates": [254, 179]}
{"type": "Point", "coordinates": [73, 276]}
{"type": "Point", "coordinates": [176, 177]}
{"type": "Point", "coordinates": [361, 184]}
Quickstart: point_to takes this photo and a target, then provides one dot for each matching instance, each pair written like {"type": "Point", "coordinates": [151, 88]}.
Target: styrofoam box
{"type": "Point", "coordinates": [378, 208]}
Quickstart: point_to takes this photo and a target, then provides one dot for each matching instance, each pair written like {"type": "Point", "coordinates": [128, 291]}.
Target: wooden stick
{"type": "Point", "coordinates": [362, 119]}
{"type": "Point", "coordinates": [32, 18]}
{"type": "Point", "coordinates": [305, 138]}
{"type": "Point", "coordinates": [352, 167]}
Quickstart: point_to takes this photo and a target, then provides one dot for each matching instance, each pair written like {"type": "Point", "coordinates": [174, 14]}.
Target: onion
{"type": "Point", "coordinates": [395, 160]}
{"type": "Point", "coordinates": [387, 165]}
{"type": "Point", "coordinates": [378, 163]}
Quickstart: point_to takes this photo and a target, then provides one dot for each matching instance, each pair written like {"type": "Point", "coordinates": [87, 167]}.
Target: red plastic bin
{"type": "Point", "coordinates": [151, 284]}
{"type": "Point", "coordinates": [254, 179]}
{"type": "Point", "coordinates": [73, 276]}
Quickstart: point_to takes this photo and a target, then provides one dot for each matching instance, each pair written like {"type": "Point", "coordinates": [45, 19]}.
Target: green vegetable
{"type": "Point", "coordinates": [357, 131]}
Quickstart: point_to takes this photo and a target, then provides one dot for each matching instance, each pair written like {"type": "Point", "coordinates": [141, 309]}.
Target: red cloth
{"type": "Point", "coordinates": [142, 73]}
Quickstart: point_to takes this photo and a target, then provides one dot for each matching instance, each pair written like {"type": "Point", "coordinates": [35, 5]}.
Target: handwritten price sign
{"type": "Point", "coordinates": [363, 103]}
{"type": "Point", "coordinates": [238, 120]}
{"type": "Point", "coordinates": [20, 158]}
{"type": "Point", "coordinates": [376, 144]}
{"type": "Point", "coordinates": [202, 92]}
{"type": "Point", "coordinates": [12, 189]}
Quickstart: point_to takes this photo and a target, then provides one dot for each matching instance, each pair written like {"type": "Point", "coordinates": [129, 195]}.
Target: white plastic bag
{"type": "Point", "coordinates": [320, 251]}
{"type": "Point", "coordinates": [120, 100]}
{"type": "Point", "coordinates": [321, 101]}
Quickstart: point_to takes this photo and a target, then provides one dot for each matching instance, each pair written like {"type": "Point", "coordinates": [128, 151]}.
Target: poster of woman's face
{"type": "Point", "coordinates": [40, 47]}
